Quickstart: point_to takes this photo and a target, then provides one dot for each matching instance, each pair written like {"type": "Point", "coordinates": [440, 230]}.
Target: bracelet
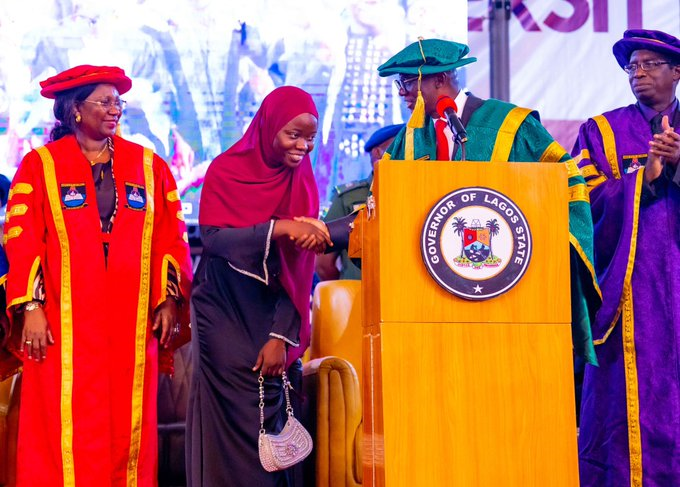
{"type": "Point", "coordinates": [32, 305]}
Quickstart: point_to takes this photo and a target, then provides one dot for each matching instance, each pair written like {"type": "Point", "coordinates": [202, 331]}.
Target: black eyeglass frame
{"type": "Point", "coordinates": [645, 66]}
{"type": "Point", "coordinates": [402, 84]}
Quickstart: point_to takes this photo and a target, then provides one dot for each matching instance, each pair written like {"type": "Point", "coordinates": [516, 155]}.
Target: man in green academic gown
{"type": "Point", "coordinates": [497, 131]}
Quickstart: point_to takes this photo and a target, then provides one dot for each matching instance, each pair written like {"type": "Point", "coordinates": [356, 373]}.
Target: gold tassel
{"type": "Point", "coordinates": [417, 120]}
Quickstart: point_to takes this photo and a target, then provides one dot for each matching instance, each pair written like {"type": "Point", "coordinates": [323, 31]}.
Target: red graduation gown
{"type": "Point", "coordinates": [88, 412]}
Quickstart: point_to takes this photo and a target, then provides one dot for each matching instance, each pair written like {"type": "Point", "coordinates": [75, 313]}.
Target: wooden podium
{"type": "Point", "coordinates": [462, 392]}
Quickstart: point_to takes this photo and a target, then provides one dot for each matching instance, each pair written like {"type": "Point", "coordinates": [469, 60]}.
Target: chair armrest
{"type": "Point", "coordinates": [334, 408]}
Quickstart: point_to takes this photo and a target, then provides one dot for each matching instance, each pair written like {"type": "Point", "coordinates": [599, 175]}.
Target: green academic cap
{"type": "Point", "coordinates": [437, 56]}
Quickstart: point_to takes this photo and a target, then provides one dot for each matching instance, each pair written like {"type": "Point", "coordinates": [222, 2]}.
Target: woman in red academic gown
{"type": "Point", "coordinates": [99, 262]}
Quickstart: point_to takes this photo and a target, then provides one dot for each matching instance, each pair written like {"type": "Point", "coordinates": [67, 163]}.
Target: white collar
{"type": "Point", "coordinates": [460, 100]}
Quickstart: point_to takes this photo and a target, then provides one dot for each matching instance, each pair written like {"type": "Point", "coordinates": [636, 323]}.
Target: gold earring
{"type": "Point", "coordinates": [78, 118]}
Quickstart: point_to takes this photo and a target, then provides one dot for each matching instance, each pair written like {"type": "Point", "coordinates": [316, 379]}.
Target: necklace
{"type": "Point", "coordinates": [93, 161]}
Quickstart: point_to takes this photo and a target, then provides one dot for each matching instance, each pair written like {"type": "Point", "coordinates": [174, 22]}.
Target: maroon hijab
{"type": "Point", "coordinates": [244, 186]}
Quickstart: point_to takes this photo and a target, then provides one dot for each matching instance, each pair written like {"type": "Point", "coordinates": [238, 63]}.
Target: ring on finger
{"type": "Point", "coordinates": [28, 342]}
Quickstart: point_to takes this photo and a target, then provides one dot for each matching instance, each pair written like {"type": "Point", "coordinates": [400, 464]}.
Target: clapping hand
{"type": "Point", "coordinates": [664, 149]}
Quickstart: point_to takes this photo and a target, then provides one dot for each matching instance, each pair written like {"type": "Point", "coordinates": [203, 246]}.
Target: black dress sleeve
{"type": "Point", "coordinates": [286, 324]}
{"type": "Point", "coordinates": [245, 249]}
{"type": "Point", "coordinates": [250, 252]}
{"type": "Point", "coordinates": [339, 230]}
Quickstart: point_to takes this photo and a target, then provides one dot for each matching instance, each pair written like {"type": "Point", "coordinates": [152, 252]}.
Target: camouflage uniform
{"type": "Point", "coordinates": [347, 198]}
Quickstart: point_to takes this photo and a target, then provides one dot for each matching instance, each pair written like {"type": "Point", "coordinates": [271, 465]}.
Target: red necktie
{"type": "Point", "coordinates": [442, 140]}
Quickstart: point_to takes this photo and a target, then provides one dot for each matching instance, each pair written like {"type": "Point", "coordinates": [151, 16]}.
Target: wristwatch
{"type": "Point", "coordinates": [32, 305]}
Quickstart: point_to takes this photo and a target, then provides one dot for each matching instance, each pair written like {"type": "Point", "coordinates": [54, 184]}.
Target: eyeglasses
{"type": "Point", "coordinates": [405, 84]}
{"type": "Point", "coordinates": [108, 103]}
{"type": "Point", "coordinates": [645, 66]}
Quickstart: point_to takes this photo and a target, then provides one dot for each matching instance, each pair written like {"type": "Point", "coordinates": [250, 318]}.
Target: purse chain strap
{"type": "Point", "coordinates": [286, 387]}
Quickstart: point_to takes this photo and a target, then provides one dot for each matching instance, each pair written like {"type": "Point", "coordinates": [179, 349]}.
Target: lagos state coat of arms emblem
{"type": "Point", "coordinates": [476, 243]}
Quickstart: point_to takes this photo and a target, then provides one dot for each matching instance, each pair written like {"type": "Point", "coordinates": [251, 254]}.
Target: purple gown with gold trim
{"type": "Point", "coordinates": [630, 411]}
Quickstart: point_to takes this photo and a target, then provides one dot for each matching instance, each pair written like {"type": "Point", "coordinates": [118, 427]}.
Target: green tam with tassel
{"type": "Point", "coordinates": [429, 55]}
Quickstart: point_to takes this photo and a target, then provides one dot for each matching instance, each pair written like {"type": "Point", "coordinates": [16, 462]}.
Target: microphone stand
{"type": "Point", "coordinates": [458, 143]}
{"type": "Point", "coordinates": [462, 151]}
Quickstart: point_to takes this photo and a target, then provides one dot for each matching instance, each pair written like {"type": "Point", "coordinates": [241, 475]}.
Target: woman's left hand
{"type": "Point", "coordinates": [272, 358]}
{"type": "Point", "coordinates": [165, 319]}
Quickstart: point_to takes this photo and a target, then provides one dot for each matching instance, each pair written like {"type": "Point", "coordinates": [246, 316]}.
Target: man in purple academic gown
{"type": "Point", "coordinates": [630, 412]}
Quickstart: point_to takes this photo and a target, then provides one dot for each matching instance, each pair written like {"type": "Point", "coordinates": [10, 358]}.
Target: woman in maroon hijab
{"type": "Point", "coordinates": [250, 301]}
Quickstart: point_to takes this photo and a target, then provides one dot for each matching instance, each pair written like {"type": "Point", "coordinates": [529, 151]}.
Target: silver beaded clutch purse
{"type": "Point", "coordinates": [292, 445]}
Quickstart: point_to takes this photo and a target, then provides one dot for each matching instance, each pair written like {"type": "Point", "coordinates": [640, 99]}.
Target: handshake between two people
{"type": "Point", "coordinates": [305, 232]}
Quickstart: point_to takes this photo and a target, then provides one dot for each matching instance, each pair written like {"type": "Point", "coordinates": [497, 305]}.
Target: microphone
{"type": "Point", "coordinates": [446, 108]}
